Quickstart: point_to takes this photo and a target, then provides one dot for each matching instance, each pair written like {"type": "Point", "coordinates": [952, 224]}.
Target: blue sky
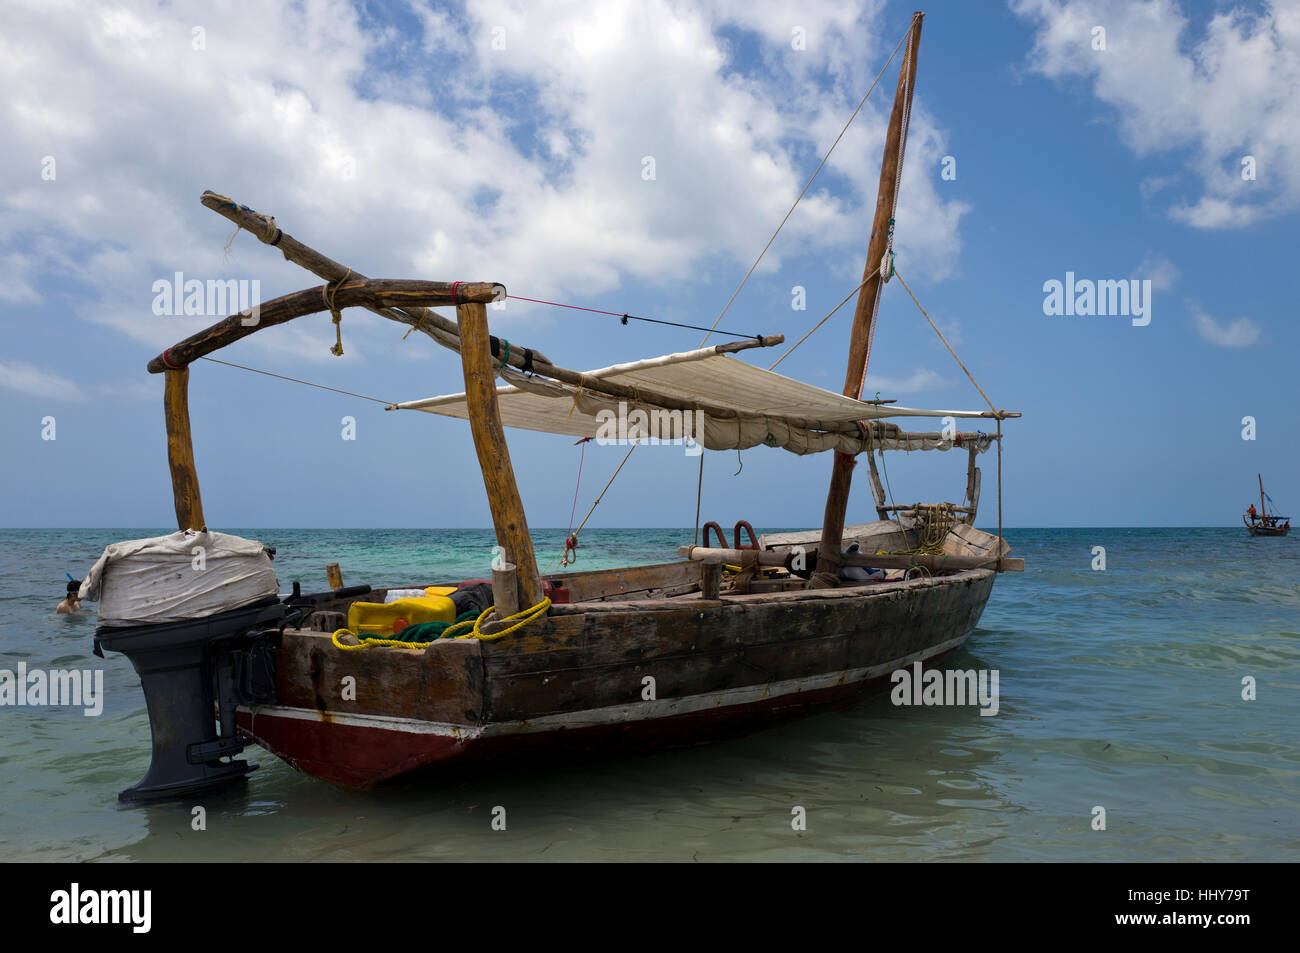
{"type": "Point", "coordinates": [403, 140]}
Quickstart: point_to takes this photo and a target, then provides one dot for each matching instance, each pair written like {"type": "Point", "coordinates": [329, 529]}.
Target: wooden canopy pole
{"type": "Point", "coordinates": [878, 491]}
{"type": "Point", "coordinates": [379, 294]}
{"type": "Point", "coordinates": [973, 484]}
{"type": "Point", "coordinates": [837, 497]}
{"type": "Point", "coordinates": [493, 454]}
{"type": "Point", "coordinates": [180, 451]}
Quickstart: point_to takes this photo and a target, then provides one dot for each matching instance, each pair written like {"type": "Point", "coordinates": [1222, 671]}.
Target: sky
{"type": "Point", "coordinates": [1152, 140]}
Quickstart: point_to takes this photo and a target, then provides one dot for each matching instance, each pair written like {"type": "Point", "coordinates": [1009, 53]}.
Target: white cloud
{"type": "Point", "coordinates": [37, 382]}
{"type": "Point", "coordinates": [18, 286]}
{"type": "Point", "coordinates": [1230, 92]}
{"type": "Point", "coordinates": [1240, 332]}
{"type": "Point", "coordinates": [1211, 212]}
{"type": "Point", "coordinates": [921, 379]}
{"type": "Point", "coordinates": [1162, 272]}
{"type": "Point", "coordinates": [520, 164]}
{"type": "Point", "coordinates": [146, 388]}
{"type": "Point", "coordinates": [1154, 184]}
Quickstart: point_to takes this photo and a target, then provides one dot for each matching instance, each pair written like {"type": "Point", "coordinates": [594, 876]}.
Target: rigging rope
{"type": "Point", "coordinates": [570, 538]}
{"type": "Point", "coordinates": [809, 183]}
{"type": "Point", "coordinates": [948, 346]}
{"type": "Point", "coordinates": [772, 366]}
{"type": "Point", "coordinates": [632, 317]}
{"type": "Point", "coordinates": [297, 381]}
{"type": "Point", "coordinates": [594, 505]}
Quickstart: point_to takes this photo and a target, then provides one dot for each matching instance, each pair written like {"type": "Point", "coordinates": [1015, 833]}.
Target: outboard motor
{"type": "Point", "coordinates": [194, 673]}
{"type": "Point", "coordinates": [199, 615]}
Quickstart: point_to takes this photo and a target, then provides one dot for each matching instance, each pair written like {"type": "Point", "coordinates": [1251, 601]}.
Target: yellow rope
{"type": "Point", "coordinates": [937, 521]}
{"type": "Point", "coordinates": [578, 393]}
{"type": "Point", "coordinates": [419, 321]}
{"type": "Point", "coordinates": [529, 615]}
{"type": "Point", "coordinates": [394, 643]}
{"type": "Point", "coordinates": [265, 238]}
{"type": "Point", "coordinates": [934, 521]}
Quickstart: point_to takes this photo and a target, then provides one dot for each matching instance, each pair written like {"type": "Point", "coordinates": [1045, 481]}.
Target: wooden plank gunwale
{"type": "Point", "coordinates": [582, 671]}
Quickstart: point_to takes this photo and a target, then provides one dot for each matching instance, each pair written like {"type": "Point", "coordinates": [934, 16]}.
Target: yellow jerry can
{"type": "Point", "coordinates": [379, 619]}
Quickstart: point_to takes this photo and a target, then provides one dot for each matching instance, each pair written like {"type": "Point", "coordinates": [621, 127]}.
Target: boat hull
{"type": "Point", "coordinates": [1268, 530]}
{"type": "Point", "coordinates": [606, 677]}
{"type": "Point", "coordinates": [1258, 527]}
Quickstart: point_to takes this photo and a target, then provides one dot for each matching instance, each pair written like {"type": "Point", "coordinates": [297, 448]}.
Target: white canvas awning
{"type": "Point", "coordinates": [743, 406]}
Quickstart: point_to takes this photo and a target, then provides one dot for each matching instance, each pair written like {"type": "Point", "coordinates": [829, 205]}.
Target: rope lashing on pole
{"type": "Point", "coordinates": [329, 294]}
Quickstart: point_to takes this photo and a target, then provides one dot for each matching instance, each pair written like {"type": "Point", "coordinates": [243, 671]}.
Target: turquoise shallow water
{"type": "Point", "coordinates": [1119, 689]}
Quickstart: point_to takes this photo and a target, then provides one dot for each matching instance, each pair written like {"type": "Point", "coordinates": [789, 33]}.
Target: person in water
{"type": "Point", "coordinates": [71, 604]}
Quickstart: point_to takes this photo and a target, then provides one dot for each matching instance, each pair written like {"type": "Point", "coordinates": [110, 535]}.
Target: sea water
{"type": "Point", "coordinates": [1147, 711]}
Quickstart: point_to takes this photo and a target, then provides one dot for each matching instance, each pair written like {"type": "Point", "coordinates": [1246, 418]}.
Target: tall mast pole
{"type": "Point", "coordinates": [1262, 509]}
{"type": "Point", "coordinates": [837, 498]}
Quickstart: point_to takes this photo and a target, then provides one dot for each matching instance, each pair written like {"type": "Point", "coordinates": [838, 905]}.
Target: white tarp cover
{"type": "Point", "coordinates": [771, 409]}
{"type": "Point", "coordinates": [152, 581]}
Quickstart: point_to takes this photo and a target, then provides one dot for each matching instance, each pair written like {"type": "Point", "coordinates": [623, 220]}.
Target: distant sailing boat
{"type": "Point", "coordinates": [1265, 523]}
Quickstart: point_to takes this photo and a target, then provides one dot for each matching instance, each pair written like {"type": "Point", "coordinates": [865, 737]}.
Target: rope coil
{"type": "Point", "coordinates": [525, 617]}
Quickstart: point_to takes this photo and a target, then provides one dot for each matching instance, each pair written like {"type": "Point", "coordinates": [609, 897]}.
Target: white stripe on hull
{"type": "Point", "coordinates": [614, 714]}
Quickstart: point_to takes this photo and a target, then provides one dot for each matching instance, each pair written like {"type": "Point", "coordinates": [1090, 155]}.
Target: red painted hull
{"type": "Point", "coordinates": [363, 755]}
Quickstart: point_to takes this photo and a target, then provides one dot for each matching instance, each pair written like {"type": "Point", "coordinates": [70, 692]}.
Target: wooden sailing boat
{"type": "Point", "coordinates": [650, 655]}
{"type": "Point", "coordinates": [1265, 523]}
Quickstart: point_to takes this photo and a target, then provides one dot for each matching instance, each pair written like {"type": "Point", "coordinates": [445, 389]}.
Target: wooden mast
{"type": "Point", "coordinates": [1262, 511]}
{"type": "Point", "coordinates": [837, 497]}
{"type": "Point", "coordinates": [493, 454]}
{"type": "Point", "coordinates": [180, 450]}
